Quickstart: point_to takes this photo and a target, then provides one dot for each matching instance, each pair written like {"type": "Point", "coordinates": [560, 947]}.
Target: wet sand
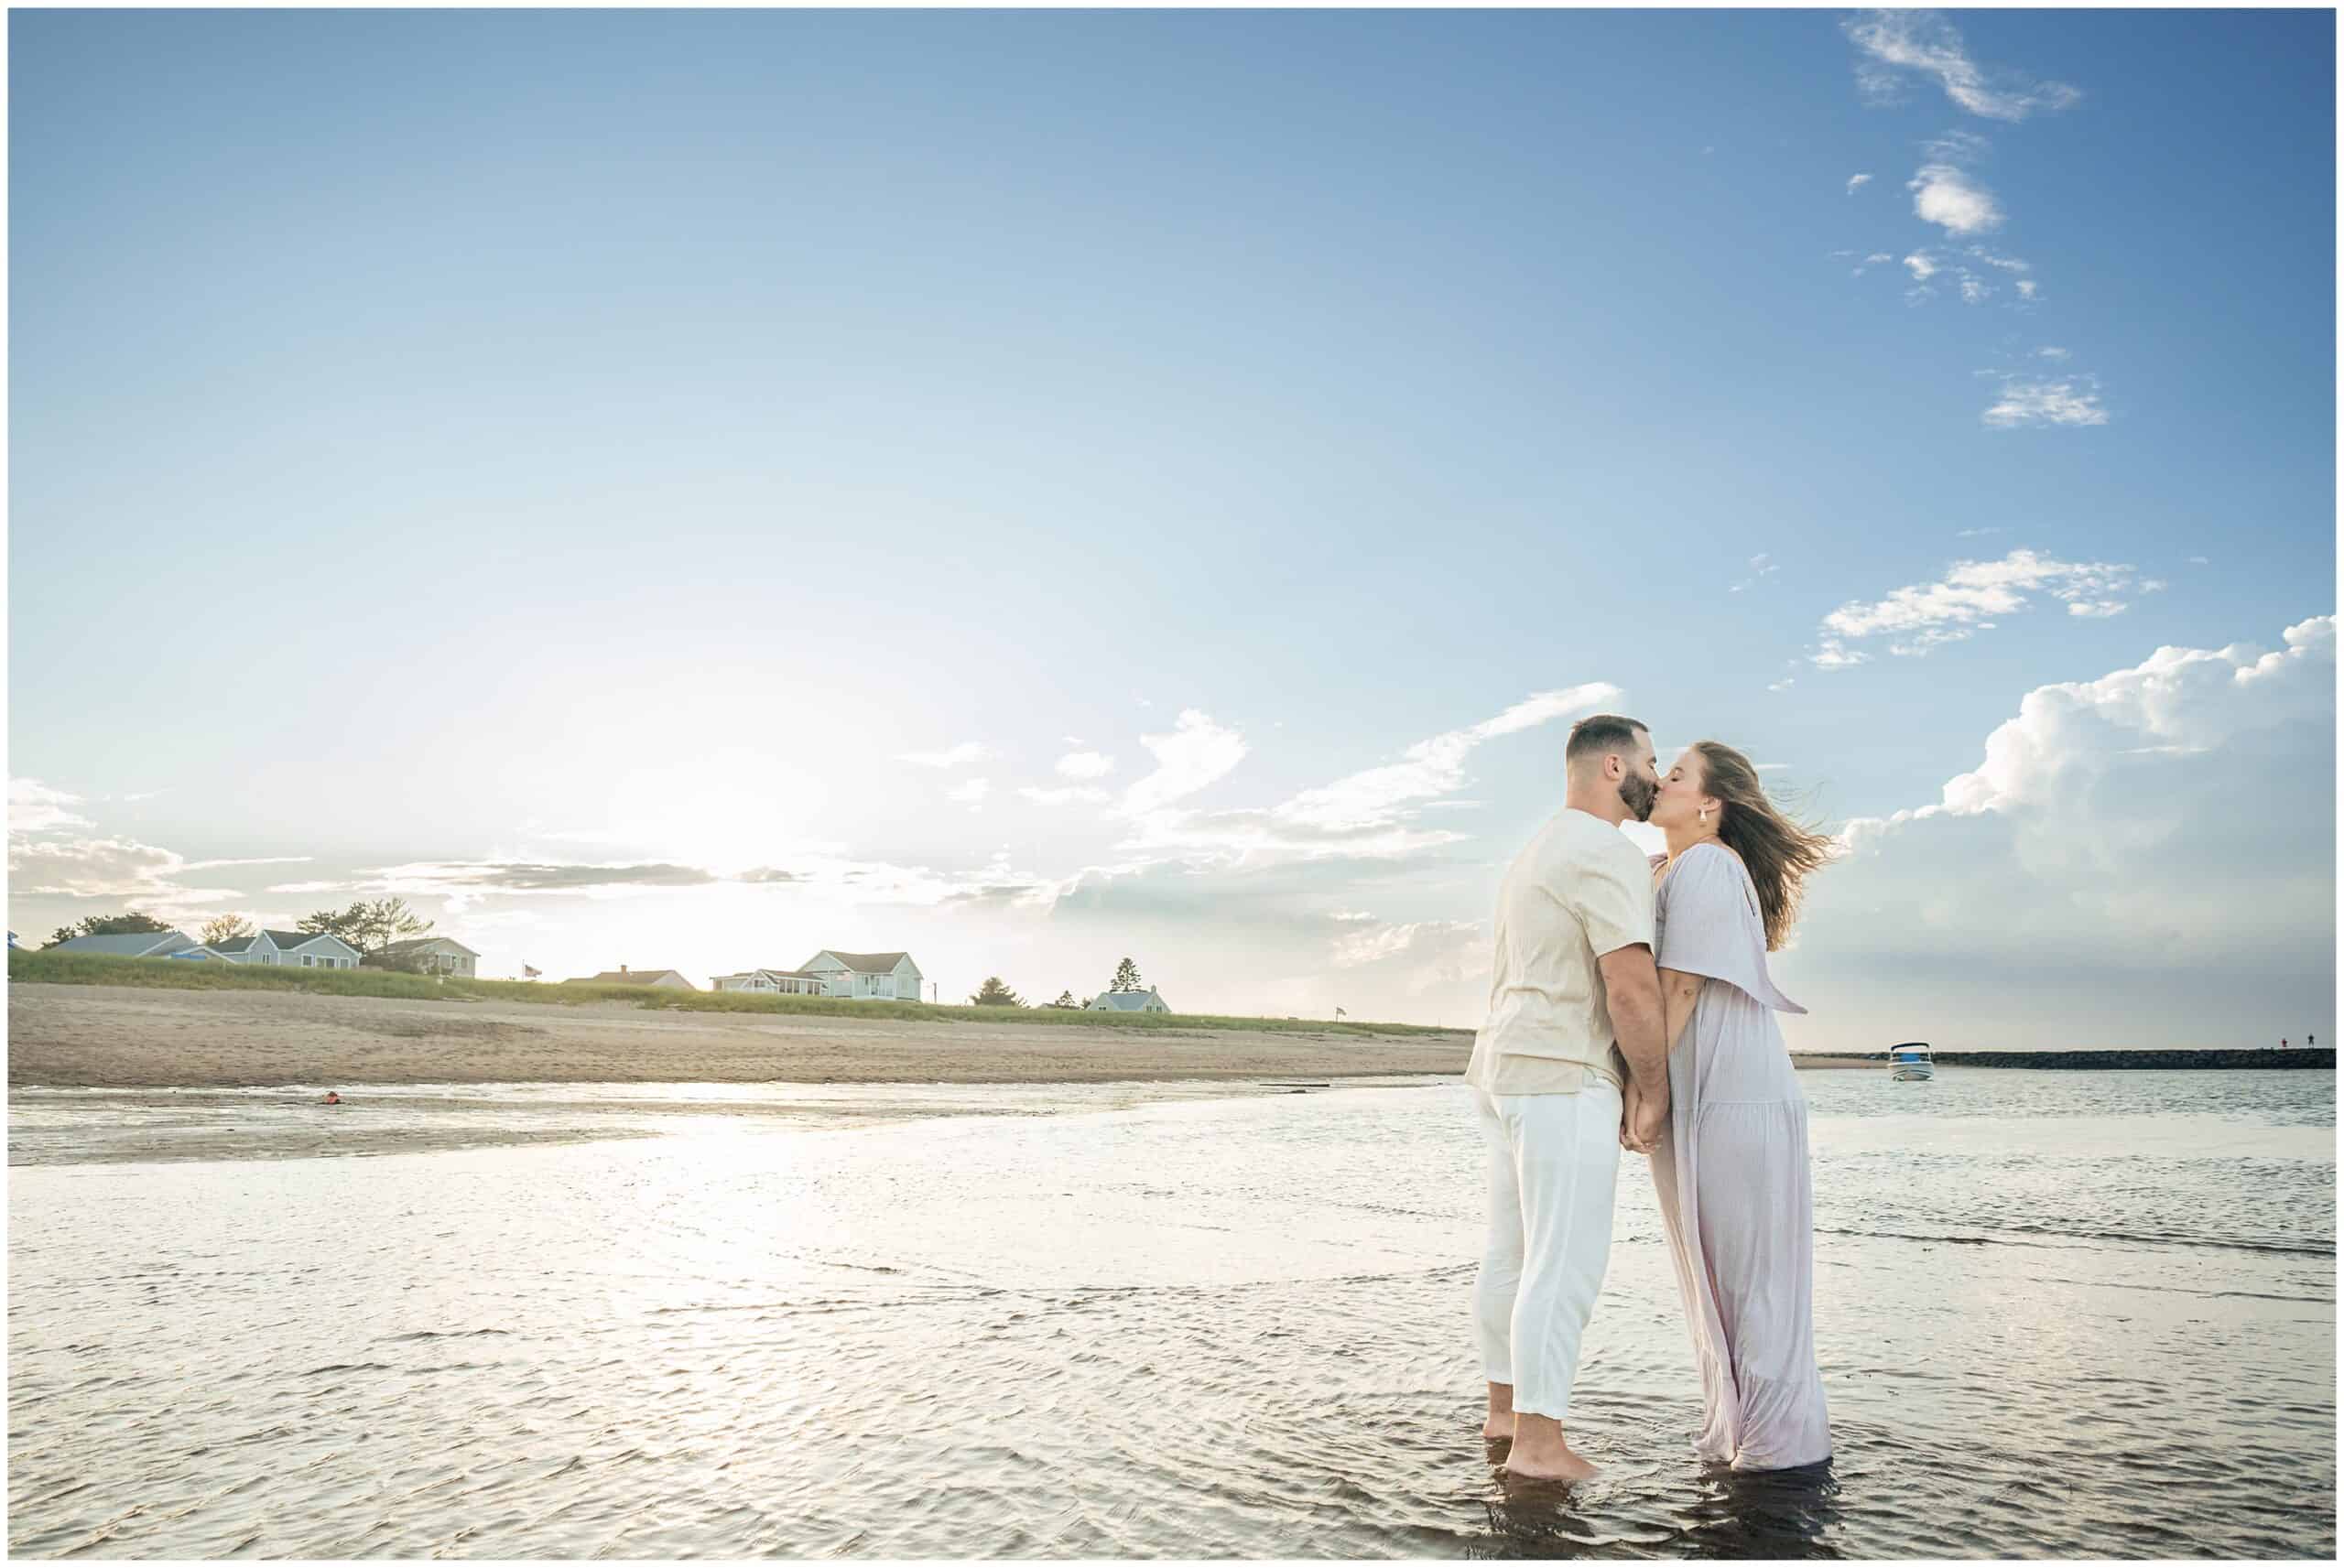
{"type": "Point", "coordinates": [132, 1037]}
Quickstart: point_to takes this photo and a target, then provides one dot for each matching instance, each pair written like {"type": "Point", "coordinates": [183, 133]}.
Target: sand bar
{"type": "Point", "coordinates": [135, 1037]}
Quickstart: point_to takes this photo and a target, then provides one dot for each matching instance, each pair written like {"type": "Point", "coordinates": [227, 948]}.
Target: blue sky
{"type": "Point", "coordinates": [487, 455]}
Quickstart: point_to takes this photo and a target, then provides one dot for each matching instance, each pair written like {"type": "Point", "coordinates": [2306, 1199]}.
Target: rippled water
{"type": "Point", "coordinates": [2058, 1314]}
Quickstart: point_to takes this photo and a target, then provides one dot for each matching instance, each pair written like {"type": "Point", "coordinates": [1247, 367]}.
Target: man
{"type": "Point", "coordinates": [1574, 1006]}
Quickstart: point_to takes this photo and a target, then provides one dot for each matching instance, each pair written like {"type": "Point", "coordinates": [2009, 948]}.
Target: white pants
{"type": "Point", "coordinates": [1554, 1165]}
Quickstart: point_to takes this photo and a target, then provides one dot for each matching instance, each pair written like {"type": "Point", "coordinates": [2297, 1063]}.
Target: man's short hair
{"type": "Point", "coordinates": [1599, 735]}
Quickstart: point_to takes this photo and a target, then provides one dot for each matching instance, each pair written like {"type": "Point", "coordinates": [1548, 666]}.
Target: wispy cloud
{"type": "Point", "coordinates": [35, 807]}
{"type": "Point", "coordinates": [958, 756]}
{"type": "Point", "coordinates": [2023, 403]}
{"type": "Point", "coordinates": [2007, 263]}
{"type": "Point", "coordinates": [1085, 765]}
{"type": "Point", "coordinates": [1974, 290]}
{"type": "Point", "coordinates": [2028, 288]}
{"type": "Point", "coordinates": [969, 792]}
{"type": "Point", "coordinates": [1857, 182]}
{"type": "Point", "coordinates": [1923, 43]}
{"type": "Point", "coordinates": [1761, 569]}
{"type": "Point", "coordinates": [1920, 266]}
{"type": "Point", "coordinates": [1197, 754]}
{"type": "Point", "coordinates": [1068, 794]}
{"type": "Point", "coordinates": [2051, 353]}
{"type": "Point", "coordinates": [1967, 600]}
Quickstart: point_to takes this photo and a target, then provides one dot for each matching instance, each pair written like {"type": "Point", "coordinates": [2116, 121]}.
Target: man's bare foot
{"type": "Point", "coordinates": [1498, 1428]}
{"type": "Point", "coordinates": [1549, 1465]}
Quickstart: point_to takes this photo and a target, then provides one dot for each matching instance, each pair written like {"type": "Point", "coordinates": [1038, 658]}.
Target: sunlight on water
{"type": "Point", "coordinates": [1147, 1326]}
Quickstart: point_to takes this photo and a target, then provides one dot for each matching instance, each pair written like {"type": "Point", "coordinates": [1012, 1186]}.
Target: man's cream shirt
{"type": "Point", "coordinates": [1577, 890]}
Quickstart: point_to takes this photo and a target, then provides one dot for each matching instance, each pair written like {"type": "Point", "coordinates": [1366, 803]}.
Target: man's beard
{"type": "Point", "coordinates": [1637, 792]}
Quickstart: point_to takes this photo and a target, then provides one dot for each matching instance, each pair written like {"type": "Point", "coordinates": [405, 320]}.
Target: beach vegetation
{"type": "Point", "coordinates": [993, 993]}
{"type": "Point", "coordinates": [132, 923]}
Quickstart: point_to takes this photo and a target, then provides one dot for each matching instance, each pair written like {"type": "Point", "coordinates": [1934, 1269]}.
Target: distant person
{"type": "Point", "coordinates": [331, 1099]}
{"type": "Point", "coordinates": [1574, 1009]}
{"type": "Point", "coordinates": [1732, 1165]}
{"type": "Point", "coordinates": [2283, 1043]}
{"type": "Point", "coordinates": [2310, 1041]}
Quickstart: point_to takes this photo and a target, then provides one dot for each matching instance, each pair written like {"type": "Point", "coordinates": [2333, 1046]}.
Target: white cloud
{"type": "Point", "coordinates": [1878, 258]}
{"type": "Point", "coordinates": [2197, 560]}
{"type": "Point", "coordinates": [2007, 263]}
{"type": "Point", "coordinates": [1948, 197]}
{"type": "Point", "coordinates": [2146, 859]}
{"type": "Point", "coordinates": [1085, 765]}
{"type": "Point", "coordinates": [1978, 533]}
{"type": "Point", "coordinates": [1923, 269]}
{"type": "Point", "coordinates": [967, 752]}
{"type": "Point", "coordinates": [1761, 569]}
{"type": "Point", "coordinates": [1351, 918]}
{"type": "Point", "coordinates": [1369, 815]}
{"type": "Point", "coordinates": [2027, 288]}
{"type": "Point", "coordinates": [34, 807]}
{"type": "Point", "coordinates": [1197, 754]}
{"type": "Point", "coordinates": [2051, 353]}
{"type": "Point", "coordinates": [1973, 290]}
{"type": "Point", "coordinates": [1071, 794]}
{"type": "Point", "coordinates": [121, 871]}
{"type": "Point", "coordinates": [2047, 402]}
{"type": "Point", "coordinates": [2099, 609]}
{"type": "Point", "coordinates": [1965, 601]}
{"type": "Point", "coordinates": [1857, 182]}
{"type": "Point", "coordinates": [969, 792]}
{"type": "Point", "coordinates": [1432, 952]}
{"type": "Point", "coordinates": [1923, 42]}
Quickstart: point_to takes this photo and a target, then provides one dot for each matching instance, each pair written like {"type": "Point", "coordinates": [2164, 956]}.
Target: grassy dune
{"type": "Point", "coordinates": [31, 967]}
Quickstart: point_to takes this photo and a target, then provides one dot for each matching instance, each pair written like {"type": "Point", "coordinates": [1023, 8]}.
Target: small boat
{"type": "Point", "coordinates": [1910, 1062]}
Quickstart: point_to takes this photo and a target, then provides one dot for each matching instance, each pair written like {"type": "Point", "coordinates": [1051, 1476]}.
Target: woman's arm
{"type": "Point", "coordinates": [1678, 992]}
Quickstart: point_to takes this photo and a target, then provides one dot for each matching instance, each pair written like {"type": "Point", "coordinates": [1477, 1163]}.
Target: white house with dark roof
{"type": "Point", "coordinates": [866, 976]}
{"type": "Point", "coordinates": [1129, 1002]}
{"type": "Point", "coordinates": [773, 982]}
{"type": "Point", "coordinates": [130, 945]}
{"type": "Point", "coordinates": [432, 956]}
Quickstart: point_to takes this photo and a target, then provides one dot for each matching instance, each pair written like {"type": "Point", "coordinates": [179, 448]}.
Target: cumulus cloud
{"type": "Point", "coordinates": [2039, 403]}
{"type": "Point", "coordinates": [121, 871]}
{"type": "Point", "coordinates": [1892, 45]}
{"type": "Point", "coordinates": [1967, 600]}
{"type": "Point", "coordinates": [1920, 266]}
{"type": "Point", "coordinates": [1857, 182]}
{"type": "Point", "coordinates": [958, 756]}
{"type": "Point", "coordinates": [1948, 197]}
{"type": "Point", "coordinates": [2146, 858]}
{"type": "Point", "coordinates": [2027, 288]}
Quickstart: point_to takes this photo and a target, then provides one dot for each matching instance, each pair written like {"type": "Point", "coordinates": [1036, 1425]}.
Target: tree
{"type": "Point", "coordinates": [224, 929]}
{"type": "Point", "coordinates": [369, 927]}
{"type": "Point", "coordinates": [1128, 978]}
{"type": "Point", "coordinates": [1066, 999]}
{"type": "Point", "coordinates": [132, 923]}
{"type": "Point", "coordinates": [992, 993]}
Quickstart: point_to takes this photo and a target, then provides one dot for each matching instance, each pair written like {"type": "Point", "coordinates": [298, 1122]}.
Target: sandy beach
{"type": "Point", "coordinates": [125, 1037]}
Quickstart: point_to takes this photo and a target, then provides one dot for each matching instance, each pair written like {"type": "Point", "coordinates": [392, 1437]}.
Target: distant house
{"type": "Point", "coordinates": [306, 950]}
{"type": "Point", "coordinates": [623, 976]}
{"type": "Point", "coordinates": [288, 950]}
{"type": "Point", "coordinates": [1128, 1001]}
{"type": "Point", "coordinates": [773, 982]}
{"type": "Point", "coordinates": [866, 976]}
{"type": "Point", "coordinates": [432, 956]}
{"type": "Point", "coordinates": [131, 945]}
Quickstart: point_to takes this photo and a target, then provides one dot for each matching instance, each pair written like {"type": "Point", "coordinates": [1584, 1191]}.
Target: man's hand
{"type": "Point", "coordinates": [1643, 1119]}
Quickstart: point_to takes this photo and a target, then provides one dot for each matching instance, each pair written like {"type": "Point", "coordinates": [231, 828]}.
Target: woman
{"type": "Point", "coordinates": [1732, 1163]}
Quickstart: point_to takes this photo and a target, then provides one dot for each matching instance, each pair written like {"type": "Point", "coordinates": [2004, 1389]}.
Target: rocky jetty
{"type": "Point", "coordinates": [2135, 1061]}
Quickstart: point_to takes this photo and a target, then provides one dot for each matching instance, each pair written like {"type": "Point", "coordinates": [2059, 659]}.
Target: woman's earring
{"type": "Point", "coordinates": [1705, 816]}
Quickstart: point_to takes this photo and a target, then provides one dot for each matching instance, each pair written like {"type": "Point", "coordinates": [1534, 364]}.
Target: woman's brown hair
{"type": "Point", "coordinates": [1779, 852]}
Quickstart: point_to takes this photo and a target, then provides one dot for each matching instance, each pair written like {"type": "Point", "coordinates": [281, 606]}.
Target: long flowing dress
{"type": "Point", "coordinates": [1732, 1170]}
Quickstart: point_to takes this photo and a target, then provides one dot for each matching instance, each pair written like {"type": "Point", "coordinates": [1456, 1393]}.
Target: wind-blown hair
{"type": "Point", "coordinates": [1780, 852]}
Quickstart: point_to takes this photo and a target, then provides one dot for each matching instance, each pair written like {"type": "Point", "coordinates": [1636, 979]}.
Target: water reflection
{"type": "Point", "coordinates": [1762, 1513]}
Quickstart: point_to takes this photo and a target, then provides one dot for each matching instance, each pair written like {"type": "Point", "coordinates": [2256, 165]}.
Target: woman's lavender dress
{"type": "Point", "coordinates": [1732, 1170]}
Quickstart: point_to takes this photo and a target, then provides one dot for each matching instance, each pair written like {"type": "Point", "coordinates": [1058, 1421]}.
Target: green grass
{"type": "Point", "coordinates": [34, 968]}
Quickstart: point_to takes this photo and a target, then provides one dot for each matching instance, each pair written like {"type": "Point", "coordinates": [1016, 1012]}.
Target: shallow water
{"type": "Point", "coordinates": [2059, 1315]}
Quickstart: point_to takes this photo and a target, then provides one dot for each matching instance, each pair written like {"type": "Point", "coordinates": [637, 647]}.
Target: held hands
{"type": "Point", "coordinates": [1643, 1119]}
